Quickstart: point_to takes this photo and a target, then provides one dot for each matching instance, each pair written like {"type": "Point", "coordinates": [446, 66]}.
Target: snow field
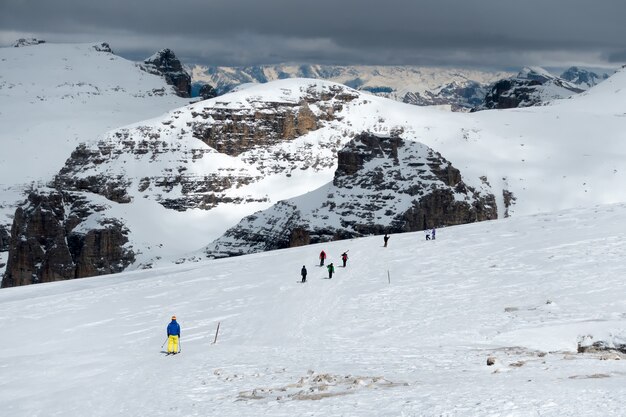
{"type": "Point", "coordinates": [523, 290]}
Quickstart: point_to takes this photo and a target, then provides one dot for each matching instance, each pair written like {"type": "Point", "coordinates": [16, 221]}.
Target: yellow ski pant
{"type": "Point", "coordinates": [172, 344]}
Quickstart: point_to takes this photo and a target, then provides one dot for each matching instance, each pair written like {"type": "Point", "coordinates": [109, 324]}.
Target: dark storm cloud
{"type": "Point", "coordinates": [245, 32]}
{"type": "Point", "coordinates": [618, 57]}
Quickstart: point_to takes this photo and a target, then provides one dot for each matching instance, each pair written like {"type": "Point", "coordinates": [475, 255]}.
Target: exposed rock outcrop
{"type": "Point", "coordinates": [207, 91]}
{"type": "Point", "coordinates": [382, 184]}
{"type": "Point", "coordinates": [20, 43]}
{"type": "Point", "coordinates": [103, 47]}
{"type": "Point", "coordinates": [48, 242]}
{"type": "Point", "coordinates": [166, 64]}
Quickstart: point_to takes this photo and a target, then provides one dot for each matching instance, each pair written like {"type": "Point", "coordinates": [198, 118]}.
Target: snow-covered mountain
{"type": "Point", "coordinates": [54, 96]}
{"type": "Point", "coordinates": [382, 184]}
{"type": "Point", "coordinates": [165, 187]}
{"type": "Point", "coordinates": [542, 162]}
{"type": "Point", "coordinates": [459, 89]}
{"type": "Point", "coordinates": [405, 330]}
{"type": "Point", "coordinates": [583, 78]}
{"type": "Point", "coordinates": [532, 86]}
{"type": "Point", "coordinates": [170, 185]}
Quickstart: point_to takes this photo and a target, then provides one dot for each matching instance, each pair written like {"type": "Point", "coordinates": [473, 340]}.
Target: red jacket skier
{"type": "Point", "coordinates": [322, 257]}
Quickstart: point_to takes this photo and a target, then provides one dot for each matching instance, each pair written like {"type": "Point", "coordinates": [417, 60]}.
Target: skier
{"type": "Point", "coordinates": [173, 333]}
{"type": "Point", "coordinates": [386, 238]}
{"type": "Point", "coordinates": [303, 273]}
{"type": "Point", "coordinates": [427, 236]}
{"type": "Point", "coordinates": [344, 258]}
{"type": "Point", "coordinates": [331, 269]}
{"type": "Point", "coordinates": [322, 257]}
{"type": "Point", "coordinates": [433, 234]}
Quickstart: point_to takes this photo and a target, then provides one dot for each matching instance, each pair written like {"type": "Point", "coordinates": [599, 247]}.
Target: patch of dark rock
{"type": "Point", "coordinates": [601, 346]}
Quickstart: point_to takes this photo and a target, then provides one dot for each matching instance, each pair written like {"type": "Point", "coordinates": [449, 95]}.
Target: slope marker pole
{"type": "Point", "coordinates": [216, 332]}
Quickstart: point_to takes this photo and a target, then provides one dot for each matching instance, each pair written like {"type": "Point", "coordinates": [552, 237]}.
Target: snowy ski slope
{"type": "Point", "coordinates": [525, 290]}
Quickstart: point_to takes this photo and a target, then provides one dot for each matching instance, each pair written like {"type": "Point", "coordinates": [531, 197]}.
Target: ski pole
{"type": "Point", "coordinates": [164, 342]}
{"type": "Point", "coordinates": [179, 346]}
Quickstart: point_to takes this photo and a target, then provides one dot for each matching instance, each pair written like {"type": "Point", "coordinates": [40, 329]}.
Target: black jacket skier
{"type": "Point", "coordinates": [303, 273]}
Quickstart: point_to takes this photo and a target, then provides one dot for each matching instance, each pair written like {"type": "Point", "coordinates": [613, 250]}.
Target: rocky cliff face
{"type": "Point", "coordinates": [166, 64]}
{"type": "Point", "coordinates": [50, 243]}
{"type": "Point", "coordinates": [382, 184]}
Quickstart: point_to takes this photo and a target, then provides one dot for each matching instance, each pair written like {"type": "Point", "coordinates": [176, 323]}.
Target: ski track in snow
{"type": "Point", "coordinates": [522, 290]}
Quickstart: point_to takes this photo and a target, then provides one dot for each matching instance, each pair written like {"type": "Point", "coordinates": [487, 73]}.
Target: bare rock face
{"type": "Point", "coordinates": [166, 64]}
{"type": "Point", "coordinates": [4, 239]}
{"type": "Point", "coordinates": [233, 130]}
{"type": "Point", "coordinates": [381, 185]}
{"type": "Point", "coordinates": [207, 91]}
{"type": "Point", "coordinates": [46, 244]}
{"type": "Point", "coordinates": [103, 47]}
{"type": "Point", "coordinates": [512, 93]}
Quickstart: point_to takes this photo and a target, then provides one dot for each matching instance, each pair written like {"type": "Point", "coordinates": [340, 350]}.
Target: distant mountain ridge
{"type": "Point", "coordinates": [458, 89]}
{"type": "Point", "coordinates": [583, 78]}
{"type": "Point", "coordinates": [461, 89]}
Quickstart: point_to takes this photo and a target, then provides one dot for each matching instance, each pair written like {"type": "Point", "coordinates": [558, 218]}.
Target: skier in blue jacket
{"type": "Point", "coordinates": [173, 334]}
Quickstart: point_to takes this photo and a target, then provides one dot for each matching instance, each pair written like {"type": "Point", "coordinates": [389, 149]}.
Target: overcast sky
{"type": "Point", "coordinates": [497, 34]}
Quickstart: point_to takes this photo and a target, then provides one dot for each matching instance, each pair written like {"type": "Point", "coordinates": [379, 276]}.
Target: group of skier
{"type": "Point", "coordinates": [330, 267]}
{"type": "Point", "coordinates": [344, 256]}
{"type": "Point", "coordinates": [173, 328]}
